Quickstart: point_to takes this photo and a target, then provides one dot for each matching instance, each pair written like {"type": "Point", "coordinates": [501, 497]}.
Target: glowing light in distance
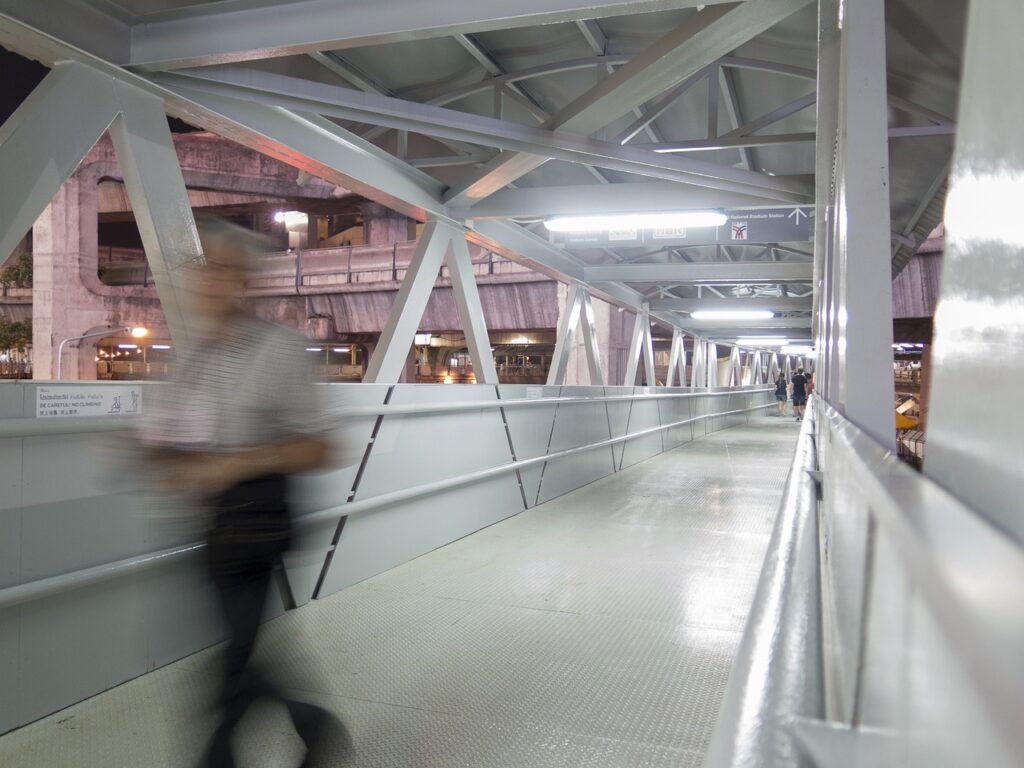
{"type": "Point", "coordinates": [732, 314]}
{"type": "Point", "coordinates": [127, 346]}
{"type": "Point", "coordinates": [341, 349]}
{"type": "Point", "coordinates": [161, 346]}
{"type": "Point", "coordinates": [766, 341]}
{"type": "Point", "coordinates": [291, 218]}
{"type": "Point", "coordinates": [314, 349]}
{"type": "Point", "coordinates": [609, 221]}
{"type": "Point", "coordinates": [140, 333]}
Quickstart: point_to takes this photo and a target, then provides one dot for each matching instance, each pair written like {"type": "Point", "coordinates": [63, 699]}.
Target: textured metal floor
{"type": "Point", "coordinates": [595, 630]}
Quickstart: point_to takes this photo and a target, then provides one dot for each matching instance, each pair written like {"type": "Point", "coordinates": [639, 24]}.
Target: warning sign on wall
{"type": "Point", "coordinates": [74, 401]}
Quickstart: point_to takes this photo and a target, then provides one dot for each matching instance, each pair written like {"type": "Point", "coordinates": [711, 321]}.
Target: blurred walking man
{"type": "Point", "coordinates": [239, 419]}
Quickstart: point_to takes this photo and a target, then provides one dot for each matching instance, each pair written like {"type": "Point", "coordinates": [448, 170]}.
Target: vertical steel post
{"type": "Point", "coordinates": [590, 345]}
{"type": "Point", "coordinates": [471, 312]}
{"type": "Point", "coordinates": [565, 335]}
{"type": "Point", "coordinates": [712, 358]}
{"type": "Point", "coordinates": [648, 349]}
{"type": "Point", "coordinates": [156, 188]}
{"type": "Point", "coordinates": [825, 149]}
{"type": "Point", "coordinates": [635, 344]}
{"type": "Point", "coordinates": [676, 360]}
{"type": "Point", "coordinates": [392, 350]}
{"type": "Point", "coordinates": [864, 312]}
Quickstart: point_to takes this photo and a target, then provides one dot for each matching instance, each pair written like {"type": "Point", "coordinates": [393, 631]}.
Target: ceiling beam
{"type": "Point", "coordinates": [706, 272]}
{"type": "Point", "coordinates": [641, 197]}
{"type": "Point", "coordinates": [680, 54]}
{"type": "Point", "coordinates": [224, 32]}
{"type": "Point", "coordinates": [346, 103]}
{"type": "Point", "coordinates": [76, 23]}
{"type": "Point", "coordinates": [777, 304]}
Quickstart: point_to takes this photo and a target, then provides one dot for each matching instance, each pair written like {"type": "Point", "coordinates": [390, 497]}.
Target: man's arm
{"type": "Point", "coordinates": [213, 472]}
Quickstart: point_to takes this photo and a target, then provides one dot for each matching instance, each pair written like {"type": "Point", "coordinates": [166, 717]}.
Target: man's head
{"type": "Point", "coordinates": [231, 255]}
{"type": "Point", "coordinates": [800, 371]}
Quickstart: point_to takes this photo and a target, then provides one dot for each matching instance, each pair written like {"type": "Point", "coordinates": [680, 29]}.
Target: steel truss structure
{"type": "Point", "coordinates": [495, 146]}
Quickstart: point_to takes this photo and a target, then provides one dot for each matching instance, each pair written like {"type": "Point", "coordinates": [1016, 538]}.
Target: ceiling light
{"type": "Point", "coordinates": [341, 349]}
{"type": "Point", "coordinates": [610, 221]}
{"type": "Point", "coordinates": [139, 333]}
{"type": "Point", "coordinates": [732, 314]}
{"type": "Point", "coordinates": [797, 349]}
{"type": "Point", "coordinates": [314, 349]}
{"type": "Point", "coordinates": [161, 346]}
{"type": "Point", "coordinates": [762, 341]}
{"type": "Point", "coordinates": [127, 346]}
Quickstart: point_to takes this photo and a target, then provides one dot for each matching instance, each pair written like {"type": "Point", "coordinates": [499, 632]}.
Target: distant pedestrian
{"type": "Point", "coordinates": [799, 393]}
{"type": "Point", "coordinates": [781, 394]}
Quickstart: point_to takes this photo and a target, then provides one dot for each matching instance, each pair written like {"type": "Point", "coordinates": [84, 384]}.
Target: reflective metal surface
{"type": "Point", "coordinates": [974, 441]}
{"type": "Point", "coordinates": [594, 630]}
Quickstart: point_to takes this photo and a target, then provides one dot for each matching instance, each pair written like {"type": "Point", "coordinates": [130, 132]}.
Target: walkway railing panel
{"type": "Point", "coordinates": [893, 638]}
{"type": "Point", "coordinates": [573, 425]}
{"type": "Point", "coordinates": [102, 581]}
{"type": "Point", "coordinates": [415, 449]}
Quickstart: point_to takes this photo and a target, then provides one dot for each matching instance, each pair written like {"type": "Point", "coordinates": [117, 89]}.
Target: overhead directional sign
{"type": "Point", "coordinates": [754, 226]}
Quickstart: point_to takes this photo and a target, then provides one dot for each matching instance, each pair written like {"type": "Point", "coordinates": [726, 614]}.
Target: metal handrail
{"type": "Point", "coordinates": [779, 670]}
{"type": "Point", "coordinates": [33, 427]}
{"type": "Point", "coordinates": [16, 595]}
{"type": "Point", "coordinates": [968, 574]}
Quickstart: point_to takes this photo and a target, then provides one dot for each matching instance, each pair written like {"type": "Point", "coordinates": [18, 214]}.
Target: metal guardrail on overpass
{"type": "Point", "coordinates": [328, 270]}
{"type": "Point", "coordinates": [111, 594]}
{"type": "Point", "coordinates": [887, 626]}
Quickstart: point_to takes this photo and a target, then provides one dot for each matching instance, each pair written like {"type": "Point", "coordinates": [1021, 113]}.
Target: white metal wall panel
{"type": "Point", "coordinates": [618, 418]}
{"type": "Point", "coordinates": [577, 424]}
{"type": "Point", "coordinates": [643, 414]}
{"type": "Point", "coordinates": [349, 436]}
{"type": "Point", "coordinates": [413, 450]}
{"type": "Point", "coordinates": [530, 431]}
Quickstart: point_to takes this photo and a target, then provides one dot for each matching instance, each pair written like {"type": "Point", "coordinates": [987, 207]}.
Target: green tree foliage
{"type": "Point", "coordinates": [19, 274]}
{"type": "Point", "coordinates": [14, 334]}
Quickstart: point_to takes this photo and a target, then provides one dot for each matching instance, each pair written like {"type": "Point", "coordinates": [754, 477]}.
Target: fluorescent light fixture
{"type": "Point", "coordinates": [314, 349]}
{"type": "Point", "coordinates": [797, 349]}
{"type": "Point", "coordinates": [627, 221]}
{"type": "Point", "coordinates": [732, 314]}
{"type": "Point", "coordinates": [161, 346]}
{"type": "Point", "coordinates": [762, 341]}
{"type": "Point", "coordinates": [341, 349]}
{"type": "Point", "coordinates": [127, 346]}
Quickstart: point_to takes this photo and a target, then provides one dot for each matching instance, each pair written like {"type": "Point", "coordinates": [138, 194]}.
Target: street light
{"type": "Point", "coordinates": [136, 332]}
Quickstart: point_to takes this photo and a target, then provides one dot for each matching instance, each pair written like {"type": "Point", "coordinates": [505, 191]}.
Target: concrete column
{"type": "Point", "coordinates": [68, 299]}
{"type": "Point", "coordinates": [382, 226]}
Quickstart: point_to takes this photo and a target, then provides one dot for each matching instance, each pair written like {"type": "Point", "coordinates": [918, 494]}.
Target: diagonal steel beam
{"type": "Point", "coordinates": [339, 102]}
{"type": "Point", "coordinates": [41, 146]}
{"type": "Point", "coordinates": [317, 146]}
{"type": "Point", "coordinates": [685, 50]}
{"type": "Point", "coordinates": [233, 31]}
